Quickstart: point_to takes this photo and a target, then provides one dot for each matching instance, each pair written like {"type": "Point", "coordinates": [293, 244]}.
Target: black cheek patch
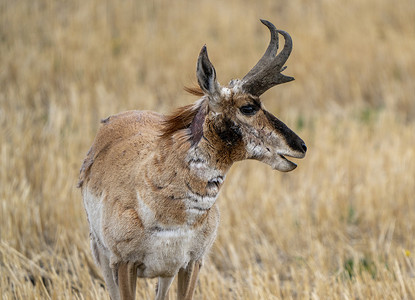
{"type": "Point", "coordinates": [229, 132]}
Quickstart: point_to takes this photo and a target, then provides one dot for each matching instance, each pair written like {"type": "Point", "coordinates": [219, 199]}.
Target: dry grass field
{"type": "Point", "coordinates": [341, 226]}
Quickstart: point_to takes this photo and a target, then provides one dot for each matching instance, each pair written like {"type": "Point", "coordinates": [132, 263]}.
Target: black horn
{"type": "Point", "coordinates": [267, 72]}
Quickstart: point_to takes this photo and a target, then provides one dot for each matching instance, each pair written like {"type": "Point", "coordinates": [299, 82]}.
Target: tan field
{"type": "Point", "coordinates": [340, 226]}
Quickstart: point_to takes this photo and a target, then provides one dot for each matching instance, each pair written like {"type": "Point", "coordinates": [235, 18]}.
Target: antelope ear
{"type": "Point", "coordinates": [206, 77]}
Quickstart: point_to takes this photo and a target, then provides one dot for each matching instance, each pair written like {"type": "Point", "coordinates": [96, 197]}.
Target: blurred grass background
{"type": "Point", "coordinates": [341, 226]}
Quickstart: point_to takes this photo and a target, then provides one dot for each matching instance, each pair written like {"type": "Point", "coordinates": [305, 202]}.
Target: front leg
{"type": "Point", "coordinates": [163, 285]}
{"type": "Point", "coordinates": [187, 280]}
{"type": "Point", "coordinates": [127, 279]}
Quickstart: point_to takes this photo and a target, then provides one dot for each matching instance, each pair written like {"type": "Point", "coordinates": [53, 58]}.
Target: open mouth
{"type": "Point", "coordinates": [287, 160]}
{"type": "Point", "coordinates": [283, 164]}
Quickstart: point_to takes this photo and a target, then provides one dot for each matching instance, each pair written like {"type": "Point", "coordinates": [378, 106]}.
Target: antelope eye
{"type": "Point", "coordinates": [248, 110]}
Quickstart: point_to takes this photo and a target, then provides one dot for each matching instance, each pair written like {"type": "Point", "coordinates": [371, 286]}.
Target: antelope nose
{"type": "Point", "coordinates": [304, 147]}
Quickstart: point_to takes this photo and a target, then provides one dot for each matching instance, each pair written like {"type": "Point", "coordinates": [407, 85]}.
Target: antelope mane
{"type": "Point", "coordinates": [187, 121]}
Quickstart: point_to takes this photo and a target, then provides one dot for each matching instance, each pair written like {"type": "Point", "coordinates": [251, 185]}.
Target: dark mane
{"type": "Point", "coordinates": [188, 120]}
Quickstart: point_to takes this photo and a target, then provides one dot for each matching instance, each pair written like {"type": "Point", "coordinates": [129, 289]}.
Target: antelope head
{"type": "Point", "coordinates": [237, 115]}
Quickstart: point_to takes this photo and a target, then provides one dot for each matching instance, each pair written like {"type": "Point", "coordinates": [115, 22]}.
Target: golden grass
{"type": "Point", "coordinates": [341, 226]}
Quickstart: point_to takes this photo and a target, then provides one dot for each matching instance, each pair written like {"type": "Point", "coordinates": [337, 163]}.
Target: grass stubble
{"type": "Point", "coordinates": [341, 226]}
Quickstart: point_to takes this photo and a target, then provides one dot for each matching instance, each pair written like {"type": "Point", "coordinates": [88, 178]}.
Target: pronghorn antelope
{"type": "Point", "coordinates": [150, 181]}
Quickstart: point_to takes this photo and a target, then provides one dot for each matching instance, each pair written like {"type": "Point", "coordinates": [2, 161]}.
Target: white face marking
{"type": "Point", "coordinates": [254, 150]}
{"type": "Point", "coordinates": [225, 93]}
{"type": "Point", "coordinates": [254, 144]}
{"type": "Point", "coordinates": [236, 86]}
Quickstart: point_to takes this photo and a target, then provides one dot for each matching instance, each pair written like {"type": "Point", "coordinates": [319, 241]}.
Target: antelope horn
{"type": "Point", "coordinates": [267, 72]}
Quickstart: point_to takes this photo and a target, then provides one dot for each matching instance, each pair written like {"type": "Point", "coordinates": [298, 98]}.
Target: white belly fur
{"type": "Point", "coordinates": [168, 251]}
{"type": "Point", "coordinates": [163, 250]}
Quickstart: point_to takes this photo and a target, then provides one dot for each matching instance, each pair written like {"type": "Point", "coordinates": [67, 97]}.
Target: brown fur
{"type": "Point", "coordinates": [186, 121]}
{"type": "Point", "coordinates": [150, 182]}
{"type": "Point", "coordinates": [122, 142]}
{"type": "Point", "coordinates": [146, 152]}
